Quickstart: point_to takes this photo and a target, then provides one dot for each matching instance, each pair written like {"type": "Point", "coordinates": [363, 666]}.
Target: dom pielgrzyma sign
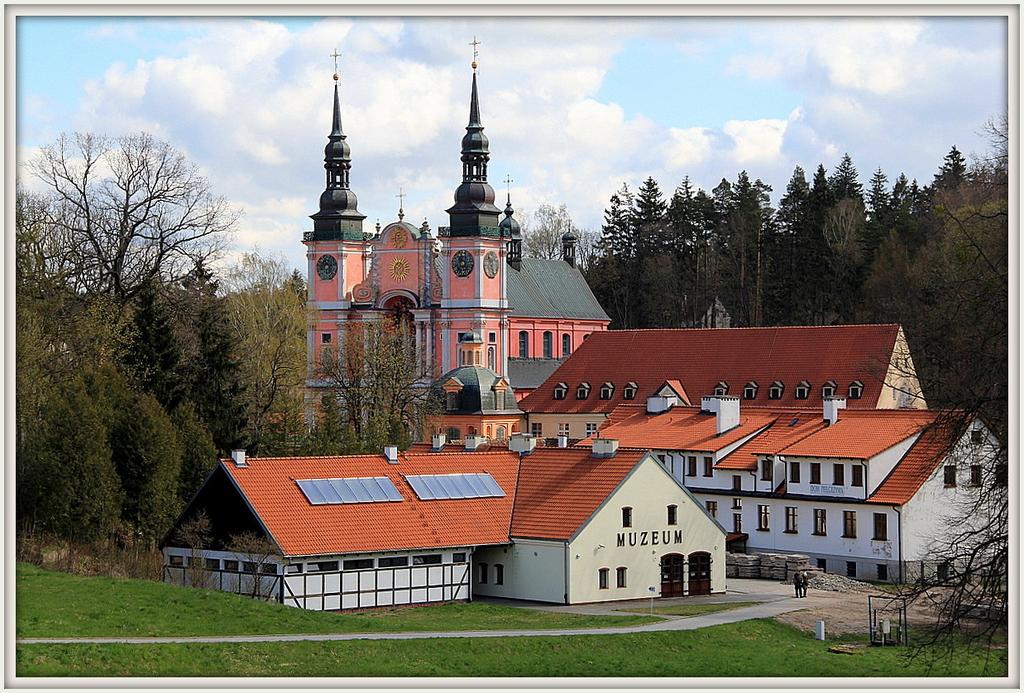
{"type": "Point", "coordinates": [653, 538]}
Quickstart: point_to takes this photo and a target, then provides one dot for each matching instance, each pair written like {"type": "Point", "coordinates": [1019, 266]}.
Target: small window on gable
{"type": "Point", "coordinates": [829, 389]}
{"type": "Point", "coordinates": [607, 390]}
{"type": "Point", "coordinates": [750, 390]}
{"type": "Point", "coordinates": [776, 390]}
{"type": "Point", "coordinates": [583, 391]}
{"type": "Point", "coordinates": [721, 389]}
{"type": "Point", "coordinates": [629, 392]}
{"type": "Point", "coordinates": [803, 390]}
{"type": "Point", "coordinates": [452, 401]}
{"type": "Point", "coordinates": [856, 390]}
{"type": "Point", "coordinates": [560, 390]}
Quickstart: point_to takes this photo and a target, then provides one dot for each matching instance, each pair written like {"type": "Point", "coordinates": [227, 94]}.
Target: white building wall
{"type": "Point", "coordinates": [882, 464]}
{"type": "Point", "coordinates": [937, 512]}
{"type": "Point", "coordinates": [533, 569]}
{"type": "Point", "coordinates": [648, 491]}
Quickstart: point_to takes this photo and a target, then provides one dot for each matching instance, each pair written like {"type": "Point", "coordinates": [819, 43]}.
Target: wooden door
{"type": "Point", "coordinates": [672, 575]}
{"type": "Point", "coordinates": [699, 573]}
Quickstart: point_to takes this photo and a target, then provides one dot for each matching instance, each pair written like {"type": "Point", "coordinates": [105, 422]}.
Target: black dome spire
{"type": "Point", "coordinates": [474, 213]}
{"type": "Point", "coordinates": [510, 229]}
{"type": "Point", "coordinates": [339, 216]}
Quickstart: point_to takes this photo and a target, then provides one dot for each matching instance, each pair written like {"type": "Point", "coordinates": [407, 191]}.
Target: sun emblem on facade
{"type": "Point", "coordinates": [399, 238]}
{"type": "Point", "coordinates": [400, 269]}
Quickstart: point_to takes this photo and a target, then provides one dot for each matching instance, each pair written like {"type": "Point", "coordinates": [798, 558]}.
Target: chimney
{"type": "Point", "coordinates": [391, 453]}
{"type": "Point", "coordinates": [726, 409]}
{"type": "Point", "coordinates": [563, 441]}
{"type": "Point", "coordinates": [831, 407]}
{"type": "Point", "coordinates": [522, 443]}
{"type": "Point", "coordinates": [604, 447]}
{"type": "Point", "coordinates": [437, 442]}
{"type": "Point", "coordinates": [238, 457]}
{"type": "Point", "coordinates": [661, 403]}
{"type": "Point", "coordinates": [473, 442]}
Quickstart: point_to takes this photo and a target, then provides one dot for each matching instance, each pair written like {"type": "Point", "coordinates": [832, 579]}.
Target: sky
{"type": "Point", "coordinates": [573, 107]}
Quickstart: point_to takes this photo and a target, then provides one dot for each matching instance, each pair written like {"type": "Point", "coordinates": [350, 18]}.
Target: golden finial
{"type": "Point", "coordinates": [335, 55]}
{"type": "Point", "coordinates": [476, 53]}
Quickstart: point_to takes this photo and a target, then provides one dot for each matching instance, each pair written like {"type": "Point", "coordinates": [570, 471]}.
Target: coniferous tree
{"type": "Point", "coordinates": [155, 355]}
{"type": "Point", "coordinates": [953, 172]}
{"type": "Point", "coordinates": [198, 452]}
{"type": "Point", "coordinates": [67, 483]}
{"type": "Point", "coordinates": [879, 213]}
{"type": "Point", "coordinates": [843, 181]}
{"type": "Point", "coordinates": [787, 298]}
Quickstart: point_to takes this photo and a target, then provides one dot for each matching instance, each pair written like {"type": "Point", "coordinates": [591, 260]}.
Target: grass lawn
{"type": "Point", "coordinates": [54, 604]}
{"type": "Point", "coordinates": [689, 609]}
{"type": "Point", "coordinates": [749, 648]}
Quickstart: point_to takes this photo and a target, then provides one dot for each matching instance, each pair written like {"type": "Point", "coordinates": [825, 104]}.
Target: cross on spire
{"type": "Point", "coordinates": [476, 53]}
{"type": "Point", "coordinates": [401, 203]}
{"type": "Point", "coordinates": [335, 55]}
{"type": "Point", "coordinates": [508, 183]}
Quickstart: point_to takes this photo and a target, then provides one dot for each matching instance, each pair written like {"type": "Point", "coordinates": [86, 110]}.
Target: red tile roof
{"type": "Point", "coordinates": [862, 434]}
{"type": "Point", "coordinates": [560, 488]}
{"type": "Point", "coordinates": [700, 358]}
{"type": "Point", "coordinates": [300, 528]}
{"type": "Point", "coordinates": [916, 466]}
{"type": "Point", "coordinates": [679, 428]}
{"type": "Point", "coordinates": [782, 433]}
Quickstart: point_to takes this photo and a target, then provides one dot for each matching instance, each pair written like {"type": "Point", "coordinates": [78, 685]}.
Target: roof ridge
{"type": "Point", "coordinates": [749, 327]}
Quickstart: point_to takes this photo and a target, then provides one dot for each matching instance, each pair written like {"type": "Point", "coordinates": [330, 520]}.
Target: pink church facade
{"type": "Point", "coordinates": [468, 281]}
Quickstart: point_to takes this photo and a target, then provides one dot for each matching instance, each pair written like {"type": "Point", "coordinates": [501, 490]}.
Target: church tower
{"type": "Point", "coordinates": [474, 253]}
{"type": "Point", "coordinates": [336, 249]}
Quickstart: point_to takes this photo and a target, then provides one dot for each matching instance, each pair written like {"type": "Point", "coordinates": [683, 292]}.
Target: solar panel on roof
{"type": "Point", "coordinates": [375, 489]}
{"type": "Point", "coordinates": [454, 486]}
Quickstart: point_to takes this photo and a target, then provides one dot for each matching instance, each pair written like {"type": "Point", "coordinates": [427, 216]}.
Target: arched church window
{"type": "Point", "coordinates": [566, 345]}
{"type": "Point", "coordinates": [502, 432]}
{"type": "Point", "coordinates": [524, 344]}
{"type": "Point", "coordinates": [548, 346]}
{"type": "Point", "coordinates": [490, 358]}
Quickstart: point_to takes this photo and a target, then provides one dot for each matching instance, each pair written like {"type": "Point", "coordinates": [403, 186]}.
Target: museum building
{"type": "Point", "coordinates": [559, 525]}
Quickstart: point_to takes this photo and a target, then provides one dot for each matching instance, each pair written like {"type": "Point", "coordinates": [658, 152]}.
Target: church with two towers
{"type": "Point", "coordinates": [489, 324]}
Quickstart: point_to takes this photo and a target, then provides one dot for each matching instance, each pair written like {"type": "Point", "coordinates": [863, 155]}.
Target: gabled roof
{"type": "Point", "coordinates": [700, 358]}
{"type": "Point", "coordinates": [862, 434]}
{"type": "Point", "coordinates": [302, 529]}
{"type": "Point", "coordinates": [560, 488]}
{"type": "Point", "coordinates": [679, 428]}
{"type": "Point", "coordinates": [551, 289]}
{"type": "Point", "coordinates": [919, 463]}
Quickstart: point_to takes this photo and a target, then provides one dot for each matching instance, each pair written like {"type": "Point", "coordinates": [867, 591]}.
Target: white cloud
{"type": "Point", "coordinates": [756, 141]}
{"type": "Point", "coordinates": [688, 147]}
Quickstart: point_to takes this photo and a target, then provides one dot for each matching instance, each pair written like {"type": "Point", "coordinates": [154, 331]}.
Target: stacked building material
{"type": "Point", "coordinates": [744, 565]}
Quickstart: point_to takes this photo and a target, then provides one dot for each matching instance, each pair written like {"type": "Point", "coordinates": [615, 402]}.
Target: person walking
{"type": "Point", "coordinates": [803, 583]}
{"type": "Point", "coordinates": [798, 582]}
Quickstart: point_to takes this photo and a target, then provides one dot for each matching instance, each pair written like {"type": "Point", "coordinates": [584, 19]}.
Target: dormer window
{"type": "Point", "coordinates": [856, 389]}
{"type": "Point", "coordinates": [452, 401]}
{"type": "Point", "coordinates": [560, 390]}
{"type": "Point", "coordinates": [721, 389]}
{"type": "Point", "coordinates": [776, 390]}
{"type": "Point", "coordinates": [828, 389]}
{"type": "Point", "coordinates": [629, 392]}
{"type": "Point", "coordinates": [583, 391]}
{"type": "Point", "coordinates": [750, 390]}
{"type": "Point", "coordinates": [803, 390]}
{"type": "Point", "coordinates": [607, 390]}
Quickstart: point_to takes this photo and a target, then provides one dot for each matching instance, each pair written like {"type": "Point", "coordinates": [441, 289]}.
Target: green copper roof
{"type": "Point", "coordinates": [551, 289]}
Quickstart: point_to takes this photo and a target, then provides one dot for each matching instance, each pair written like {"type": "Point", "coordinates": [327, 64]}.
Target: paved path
{"type": "Point", "coordinates": [670, 623]}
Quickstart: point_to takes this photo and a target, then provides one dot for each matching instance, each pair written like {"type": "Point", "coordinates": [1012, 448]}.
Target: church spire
{"type": "Point", "coordinates": [474, 213]}
{"type": "Point", "coordinates": [339, 217]}
{"type": "Point", "coordinates": [510, 229]}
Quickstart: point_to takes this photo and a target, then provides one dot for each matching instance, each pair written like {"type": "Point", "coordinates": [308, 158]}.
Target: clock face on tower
{"type": "Point", "coordinates": [490, 264]}
{"type": "Point", "coordinates": [327, 267]}
{"type": "Point", "coordinates": [462, 263]}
